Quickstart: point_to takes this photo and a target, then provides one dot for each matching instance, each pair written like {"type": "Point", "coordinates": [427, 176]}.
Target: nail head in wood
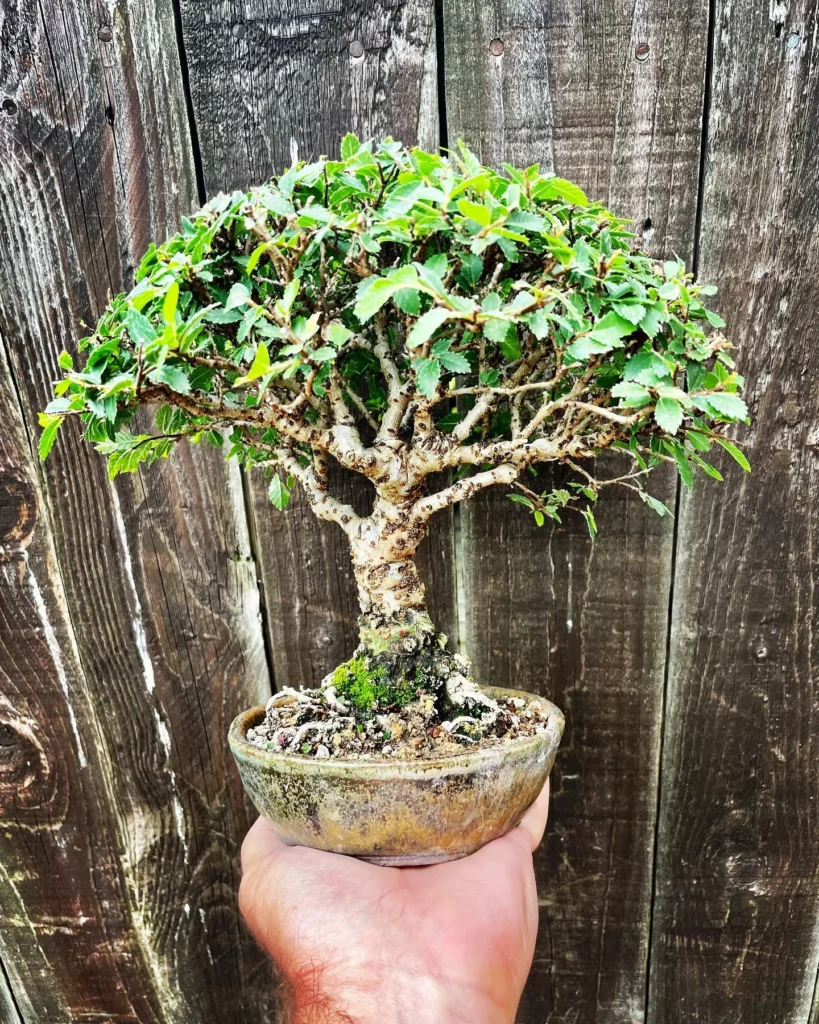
{"type": "Point", "coordinates": [105, 33]}
{"type": "Point", "coordinates": [239, 30]}
{"type": "Point", "coordinates": [496, 47]}
{"type": "Point", "coordinates": [356, 48]}
{"type": "Point", "coordinates": [642, 51]}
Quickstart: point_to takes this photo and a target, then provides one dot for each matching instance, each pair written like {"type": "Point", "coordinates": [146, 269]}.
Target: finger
{"type": "Point", "coordinates": [533, 822]}
{"type": "Point", "coordinates": [261, 843]}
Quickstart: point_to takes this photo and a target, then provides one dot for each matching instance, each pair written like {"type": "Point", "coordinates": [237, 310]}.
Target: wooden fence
{"type": "Point", "coordinates": [679, 882]}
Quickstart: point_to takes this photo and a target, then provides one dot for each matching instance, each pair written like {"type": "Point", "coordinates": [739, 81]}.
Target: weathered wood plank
{"type": "Point", "coordinates": [68, 942]}
{"type": "Point", "coordinates": [735, 933]}
{"type": "Point", "coordinates": [547, 610]}
{"type": "Point", "coordinates": [158, 583]}
{"type": "Point", "coordinates": [287, 79]}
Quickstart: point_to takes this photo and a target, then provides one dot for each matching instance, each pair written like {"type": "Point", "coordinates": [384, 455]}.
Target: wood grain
{"type": "Point", "coordinates": [547, 610]}
{"type": "Point", "coordinates": [284, 80]}
{"type": "Point", "coordinates": [735, 933]}
{"type": "Point", "coordinates": [157, 584]}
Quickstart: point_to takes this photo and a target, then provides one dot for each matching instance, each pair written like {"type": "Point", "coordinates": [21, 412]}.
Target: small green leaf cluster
{"type": "Point", "coordinates": [483, 306]}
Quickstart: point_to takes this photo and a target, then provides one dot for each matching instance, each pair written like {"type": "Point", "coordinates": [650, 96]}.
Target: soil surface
{"type": "Point", "coordinates": [301, 722]}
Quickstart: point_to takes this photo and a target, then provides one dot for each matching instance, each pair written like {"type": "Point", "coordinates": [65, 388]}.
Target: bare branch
{"type": "Point", "coordinates": [397, 395]}
{"type": "Point", "coordinates": [462, 489]}
{"type": "Point", "coordinates": [270, 414]}
{"type": "Point", "coordinates": [358, 402]}
{"type": "Point", "coordinates": [315, 488]}
{"type": "Point", "coordinates": [600, 410]}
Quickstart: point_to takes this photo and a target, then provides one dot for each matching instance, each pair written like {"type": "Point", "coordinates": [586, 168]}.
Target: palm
{"type": "Point", "coordinates": [459, 935]}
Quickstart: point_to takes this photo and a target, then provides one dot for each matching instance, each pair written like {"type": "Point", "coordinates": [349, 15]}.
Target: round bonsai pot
{"type": "Point", "coordinates": [398, 813]}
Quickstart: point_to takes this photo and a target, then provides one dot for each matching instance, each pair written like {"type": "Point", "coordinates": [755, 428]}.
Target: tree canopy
{"type": "Point", "coordinates": [405, 313]}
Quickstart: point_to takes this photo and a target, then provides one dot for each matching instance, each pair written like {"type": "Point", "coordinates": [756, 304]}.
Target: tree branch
{"type": "Point", "coordinates": [315, 488]}
{"type": "Point", "coordinates": [462, 489]}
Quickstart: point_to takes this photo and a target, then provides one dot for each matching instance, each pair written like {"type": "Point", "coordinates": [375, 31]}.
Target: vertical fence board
{"type": "Point", "coordinates": [285, 80]}
{"type": "Point", "coordinates": [546, 609]}
{"type": "Point", "coordinates": [735, 930]}
{"type": "Point", "coordinates": [68, 943]}
{"type": "Point", "coordinates": [156, 572]}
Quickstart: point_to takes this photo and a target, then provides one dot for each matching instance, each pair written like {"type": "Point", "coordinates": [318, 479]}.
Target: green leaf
{"type": "Point", "coordinates": [586, 347]}
{"type": "Point", "coordinates": [610, 329]}
{"type": "Point", "coordinates": [139, 327]}
{"type": "Point", "coordinates": [698, 441]}
{"type": "Point", "coordinates": [408, 300]}
{"type": "Point", "coordinates": [427, 375]}
{"type": "Point", "coordinates": [656, 505]}
{"type": "Point", "coordinates": [65, 361]}
{"type": "Point", "coordinates": [714, 319]}
{"type": "Point", "coordinates": [170, 303]}
{"type": "Point", "coordinates": [338, 334]}
{"type": "Point", "coordinates": [175, 378]}
{"type": "Point", "coordinates": [238, 296]}
{"type": "Point", "coordinates": [561, 189]}
{"type": "Point", "coordinates": [683, 465]}
{"type": "Point", "coordinates": [372, 293]}
{"type": "Point", "coordinates": [668, 414]}
{"type": "Point", "coordinates": [653, 320]}
{"type": "Point", "coordinates": [279, 493]}
{"type": "Point", "coordinates": [496, 330]}
{"type": "Point", "coordinates": [259, 367]}
{"type": "Point", "coordinates": [591, 522]}
{"type": "Point", "coordinates": [349, 146]}
{"type": "Point", "coordinates": [631, 311]}
{"type": "Point", "coordinates": [455, 362]}
{"type": "Point", "coordinates": [254, 258]}
{"type": "Point", "coordinates": [722, 404]}
{"type": "Point", "coordinates": [285, 304]}
{"type": "Point", "coordinates": [706, 467]}
{"type": "Point", "coordinates": [426, 326]}
{"type": "Point", "coordinates": [735, 453]}
{"type": "Point", "coordinates": [50, 424]}
{"type": "Point", "coordinates": [669, 291]}
{"type": "Point", "coordinates": [631, 394]}
{"type": "Point", "coordinates": [475, 211]}
{"type": "Point", "coordinates": [510, 346]}
{"type": "Point", "coordinates": [471, 268]}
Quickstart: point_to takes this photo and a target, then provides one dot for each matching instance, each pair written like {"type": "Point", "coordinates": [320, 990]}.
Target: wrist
{"type": "Point", "coordinates": [316, 996]}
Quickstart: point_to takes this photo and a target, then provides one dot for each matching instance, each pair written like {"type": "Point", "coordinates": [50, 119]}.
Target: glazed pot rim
{"type": "Point", "coordinates": [468, 759]}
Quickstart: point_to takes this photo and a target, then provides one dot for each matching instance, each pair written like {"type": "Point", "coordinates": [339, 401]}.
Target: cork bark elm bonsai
{"type": "Point", "coordinates": [413, 317]}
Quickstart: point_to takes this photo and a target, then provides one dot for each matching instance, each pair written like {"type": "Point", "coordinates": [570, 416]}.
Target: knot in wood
{"type": "Point", "coordinates": [27, 782]}
{"type": "Point", "coordinates": [18, 514]}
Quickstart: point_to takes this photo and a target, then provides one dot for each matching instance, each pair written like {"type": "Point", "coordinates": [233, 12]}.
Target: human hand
{"type": "Point", "coordinates": [359, 944]}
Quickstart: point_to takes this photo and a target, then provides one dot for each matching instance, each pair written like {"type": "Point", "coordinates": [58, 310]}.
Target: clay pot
{"type": "Point", "coordinates": [398, 813]}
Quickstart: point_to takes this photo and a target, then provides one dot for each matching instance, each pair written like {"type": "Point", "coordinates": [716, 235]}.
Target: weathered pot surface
{"type": "Point", "coordinates": [398, 813]}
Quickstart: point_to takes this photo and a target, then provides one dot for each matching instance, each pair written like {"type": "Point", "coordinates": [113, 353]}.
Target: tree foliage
{"type": "Point", "coordinates": [405, 313]}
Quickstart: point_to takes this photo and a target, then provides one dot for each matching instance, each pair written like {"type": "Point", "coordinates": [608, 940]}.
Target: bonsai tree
{"type": "Point", "coordinates": [412, 317]}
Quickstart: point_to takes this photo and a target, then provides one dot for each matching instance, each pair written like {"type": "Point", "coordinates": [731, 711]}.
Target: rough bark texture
{"type": "Point", "coordinates": [546, 610]}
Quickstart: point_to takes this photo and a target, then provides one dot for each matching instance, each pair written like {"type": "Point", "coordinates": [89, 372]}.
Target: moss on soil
{"type": "Point", "coordinates": [368, 687]}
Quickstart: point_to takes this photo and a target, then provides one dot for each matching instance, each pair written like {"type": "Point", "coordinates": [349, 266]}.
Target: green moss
{"type": "Point", "coordinates": [368, 687]}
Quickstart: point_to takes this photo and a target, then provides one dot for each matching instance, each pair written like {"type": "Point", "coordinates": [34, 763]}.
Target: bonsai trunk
{"type": "Point", "coordinates": [401, 657]}
{"type": "Point", "coordinates": [390, 592]}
